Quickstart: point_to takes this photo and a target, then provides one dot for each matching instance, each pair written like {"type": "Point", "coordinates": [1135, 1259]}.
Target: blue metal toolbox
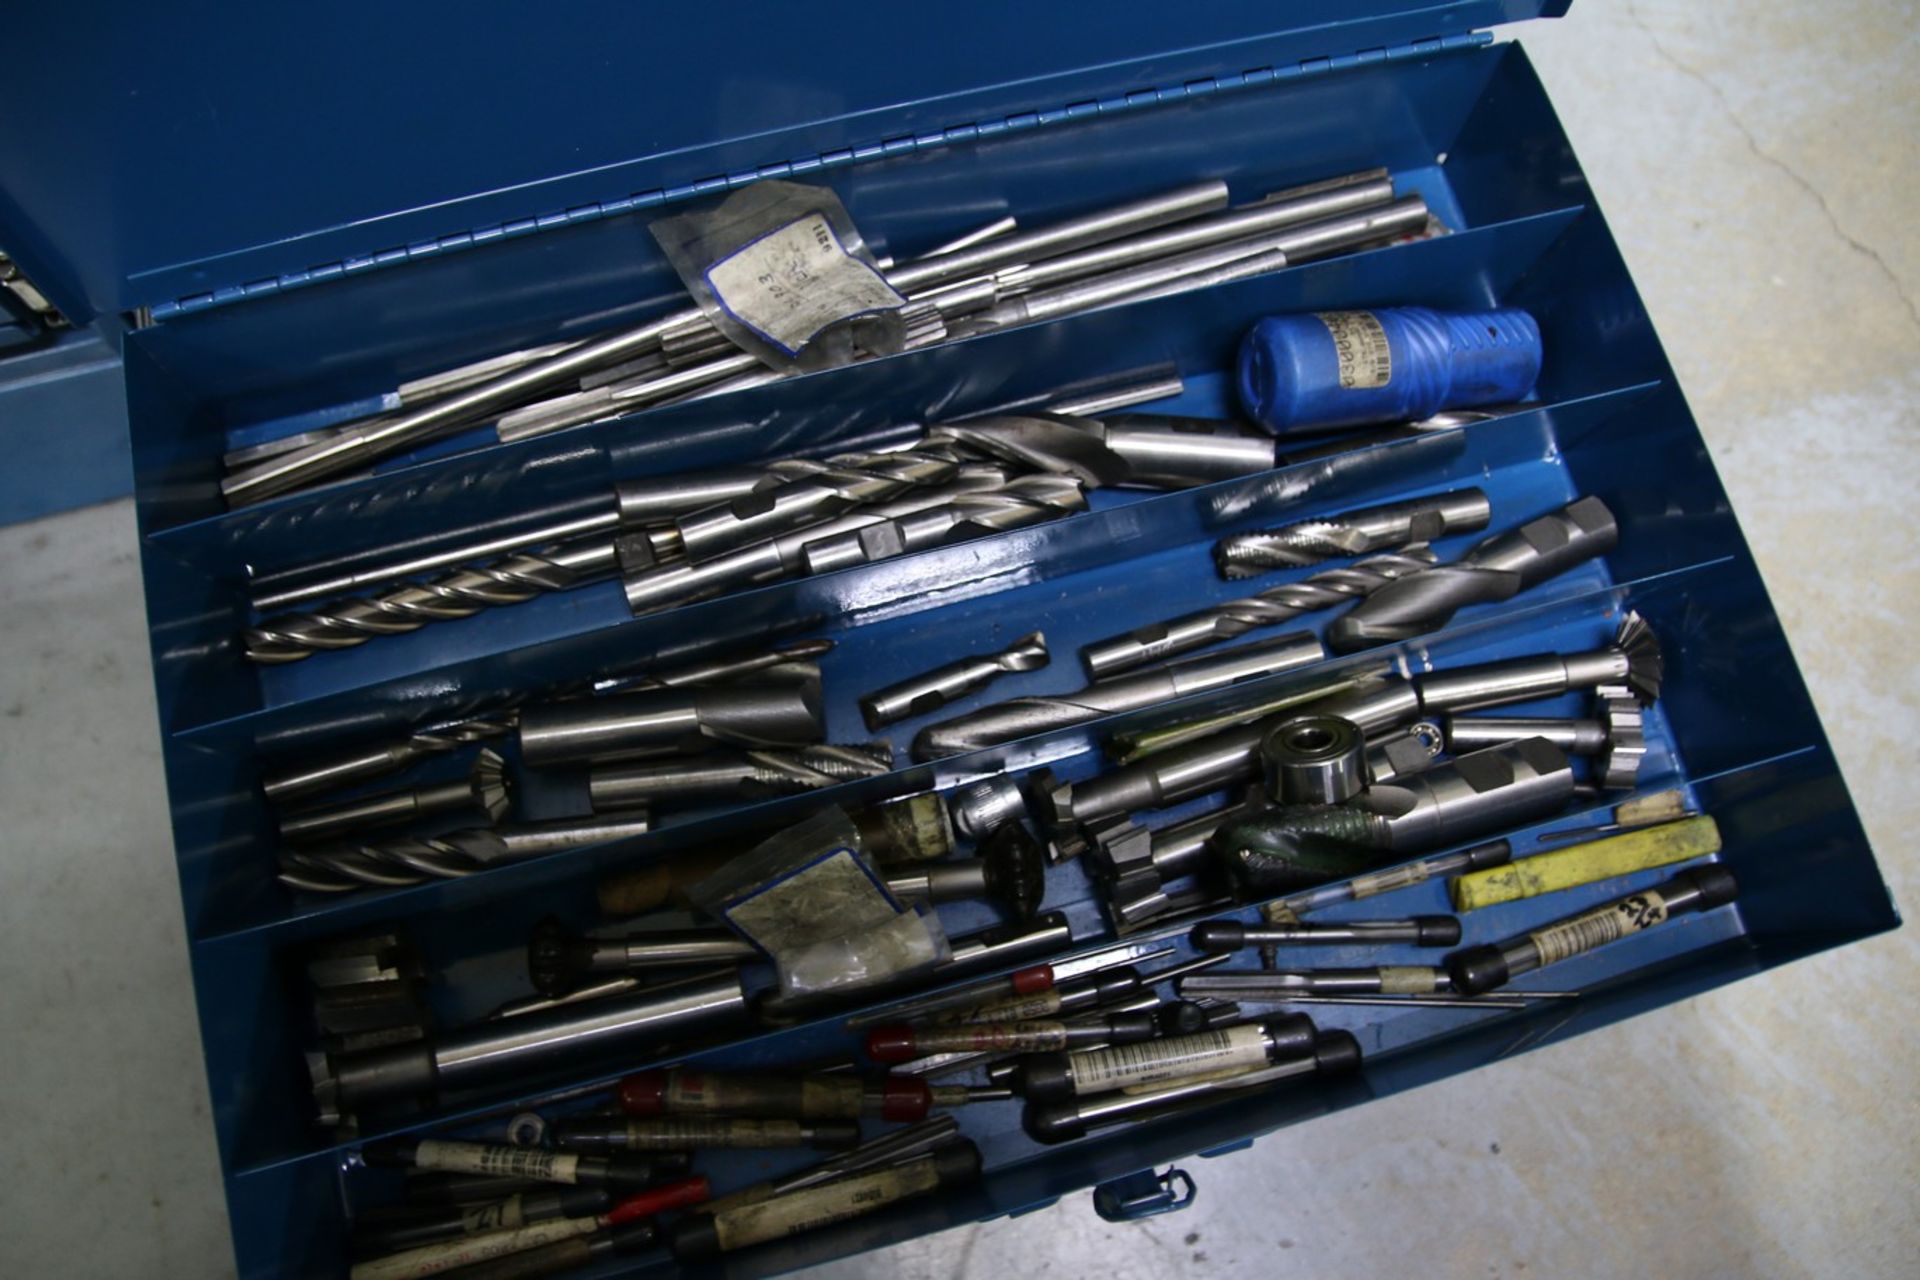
{"type": "Point", "coordinates": [298, 216]}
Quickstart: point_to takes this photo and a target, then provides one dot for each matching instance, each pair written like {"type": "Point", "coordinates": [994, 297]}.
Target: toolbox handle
{"type": "Point", "coordinates": [1144, 1194]}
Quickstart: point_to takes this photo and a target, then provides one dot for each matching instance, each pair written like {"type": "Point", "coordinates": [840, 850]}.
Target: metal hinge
{"type": "Point", "coordinates": [1131, 100]}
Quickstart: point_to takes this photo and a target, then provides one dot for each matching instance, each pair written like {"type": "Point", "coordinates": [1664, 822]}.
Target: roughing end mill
{"type": "Point", "coordinates": [734, 775]}
{"type": "Point", "coordinates": [923, 694]}
{"type": "Point", "coordinates": [1232, 618]}
{"type": "Point", "coordinates": [1352, 533]}
{"type": "Point", "coordinates": [1495, 569]}
{"type": "Point", "coordinates": [1019, 717]}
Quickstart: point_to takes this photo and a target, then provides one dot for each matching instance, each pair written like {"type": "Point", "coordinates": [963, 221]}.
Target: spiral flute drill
{"type": "Point", "coordinates": [1233, 618]}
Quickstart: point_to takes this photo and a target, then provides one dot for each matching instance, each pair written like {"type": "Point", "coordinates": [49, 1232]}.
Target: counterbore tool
{"type": "Point", "coordinates": [1293, 846]}
{"type": "Point", "coordinates": [483, 792]}
{"type": "Point", "coordinates": [1493, 570]}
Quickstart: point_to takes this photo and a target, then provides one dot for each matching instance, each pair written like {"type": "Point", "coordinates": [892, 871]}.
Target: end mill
{"type": "Point", "coordinates": [923, 694]}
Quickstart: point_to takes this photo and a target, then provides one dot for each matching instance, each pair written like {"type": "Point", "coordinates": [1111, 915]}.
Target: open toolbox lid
{"type": "Point", "coordinates": [172, 157]}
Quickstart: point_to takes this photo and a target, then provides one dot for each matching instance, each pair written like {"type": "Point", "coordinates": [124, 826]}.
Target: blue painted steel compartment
{"type": "Point", "coordinates": [1467, 125]}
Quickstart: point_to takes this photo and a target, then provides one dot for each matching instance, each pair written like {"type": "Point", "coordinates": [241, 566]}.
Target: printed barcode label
{"type": "Point", "coordinates": [791, 283]}
{"type": "Point", "coordinates": [1156, 1060]}
{"type": "Point", "coordinates": [496, 1162]}
{"type": "Point", "coordinates": [1360, 347]}
{"type": "Point", "coordinates": [1598, 927]}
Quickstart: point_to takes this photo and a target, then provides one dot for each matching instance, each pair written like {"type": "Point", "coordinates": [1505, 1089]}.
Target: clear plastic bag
{"type": "Point", "coordinates": [809, 898]}
{"type": "Point", "coordinates": [782, 271]}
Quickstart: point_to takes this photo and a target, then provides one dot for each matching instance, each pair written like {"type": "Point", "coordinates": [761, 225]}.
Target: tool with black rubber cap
{"type": "Point", "coordinates": [1485, 968]}
{"type": "Point", "coordinates": [1329, 1054]}
{"type": "Point", "coordinates": [707, 1235]}
{"type": "Point", "coordinates": [606, 1135]}
{"type": "Point", "coordinates": [686, 1092]}
{"type": "Point", "coordinates": [1420, 931]}
{"type": "Point", "coordinates": [1051, 1076]}
{"type": "Point", "coordinates": [453, 1257]}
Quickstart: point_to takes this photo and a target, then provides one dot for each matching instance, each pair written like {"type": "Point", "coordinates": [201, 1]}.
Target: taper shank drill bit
{"type": "Point", "coordinates": [1495, 569]}
{"type": "Point", "coordinates": [358, 765]}
{"type": "Point", "coordinates": [1233, 618]}
{"type": "Point", "coordinates": [1352, 533]}
{"type": "Point", "coordinates": [922, 694]}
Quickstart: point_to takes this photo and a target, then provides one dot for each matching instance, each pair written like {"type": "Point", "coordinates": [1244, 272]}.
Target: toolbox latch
{"type": "Point", "coordinates": [1144, 1194]}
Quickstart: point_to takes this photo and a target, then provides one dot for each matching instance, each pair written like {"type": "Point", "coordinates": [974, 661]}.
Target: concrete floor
{"type": "Point", "coordinates": [1754, 163]}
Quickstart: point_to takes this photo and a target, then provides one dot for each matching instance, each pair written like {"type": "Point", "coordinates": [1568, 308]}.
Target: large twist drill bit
{"type": "Point", "coordinates": [931, 690]}
{"type": "Point", "coordinates": [843, 483]}
{"type": "Point", "coordinates": [1352, 533]}
{"type": "Point", "coordinates": [1495, 569]}
{"type": "Point", "coordinates": [509, 580]}
{"type": "Point", "coordinates": [1019, 717]}
{"type": "Point", "coordinates": [749, 775]}
{"type": "Point", "coordinates": [410, 860]}
{"type": "Point", "coordinates": [1026, 501]}
{"type": "Point", "coordinates": [1233, 618]}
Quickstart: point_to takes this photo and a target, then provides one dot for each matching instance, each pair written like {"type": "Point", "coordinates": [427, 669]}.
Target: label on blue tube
{"type": "Point", "coordinates": [1360, 346]}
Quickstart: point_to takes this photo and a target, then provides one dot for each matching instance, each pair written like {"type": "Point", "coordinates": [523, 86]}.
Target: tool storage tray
{"type": "Point", "coordinates": [247, 331]}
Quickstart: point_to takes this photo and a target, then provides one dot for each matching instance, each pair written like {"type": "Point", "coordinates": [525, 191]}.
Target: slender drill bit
{"type": "Point", "coordinates": [410, 860]}
{"type": "Point", "coordinates": [1395, 524]}
{"type": "Point", "coordinates": [1234, 618]}
{"type": "Point", "coordinates": [354, 767]}
{"type": "Point", "coordinates": [934, 689]}
{"type": "Point", "coordinates": [482, 790]}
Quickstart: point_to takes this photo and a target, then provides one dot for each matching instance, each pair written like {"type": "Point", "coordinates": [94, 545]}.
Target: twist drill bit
{"type": "Point", "coordinates": [921, 694]}
{"type": "Point", "coordinates": [1019, 717]}
{"type": "Point", "coordinates": [509, 580]}
{"type": "Point", "coordinates": [410, 860]}
{"type": "Point", "coordinates": [845, 482]}
{"type": "Point", "coordinates": [734, 775]}
{"type": "Point", "coordinates": [1234, 618]}
{"type": "Point", "coordinates": [1057, 443]}
{"type": "Point", "coordinates": [483, 789]}
{"type": "Point", "coordinates": [1028, 500]}
{"type": "Point", "coordinates": [1396, 524]}
{"type": "Point", "coordinates": [1495, 569]}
